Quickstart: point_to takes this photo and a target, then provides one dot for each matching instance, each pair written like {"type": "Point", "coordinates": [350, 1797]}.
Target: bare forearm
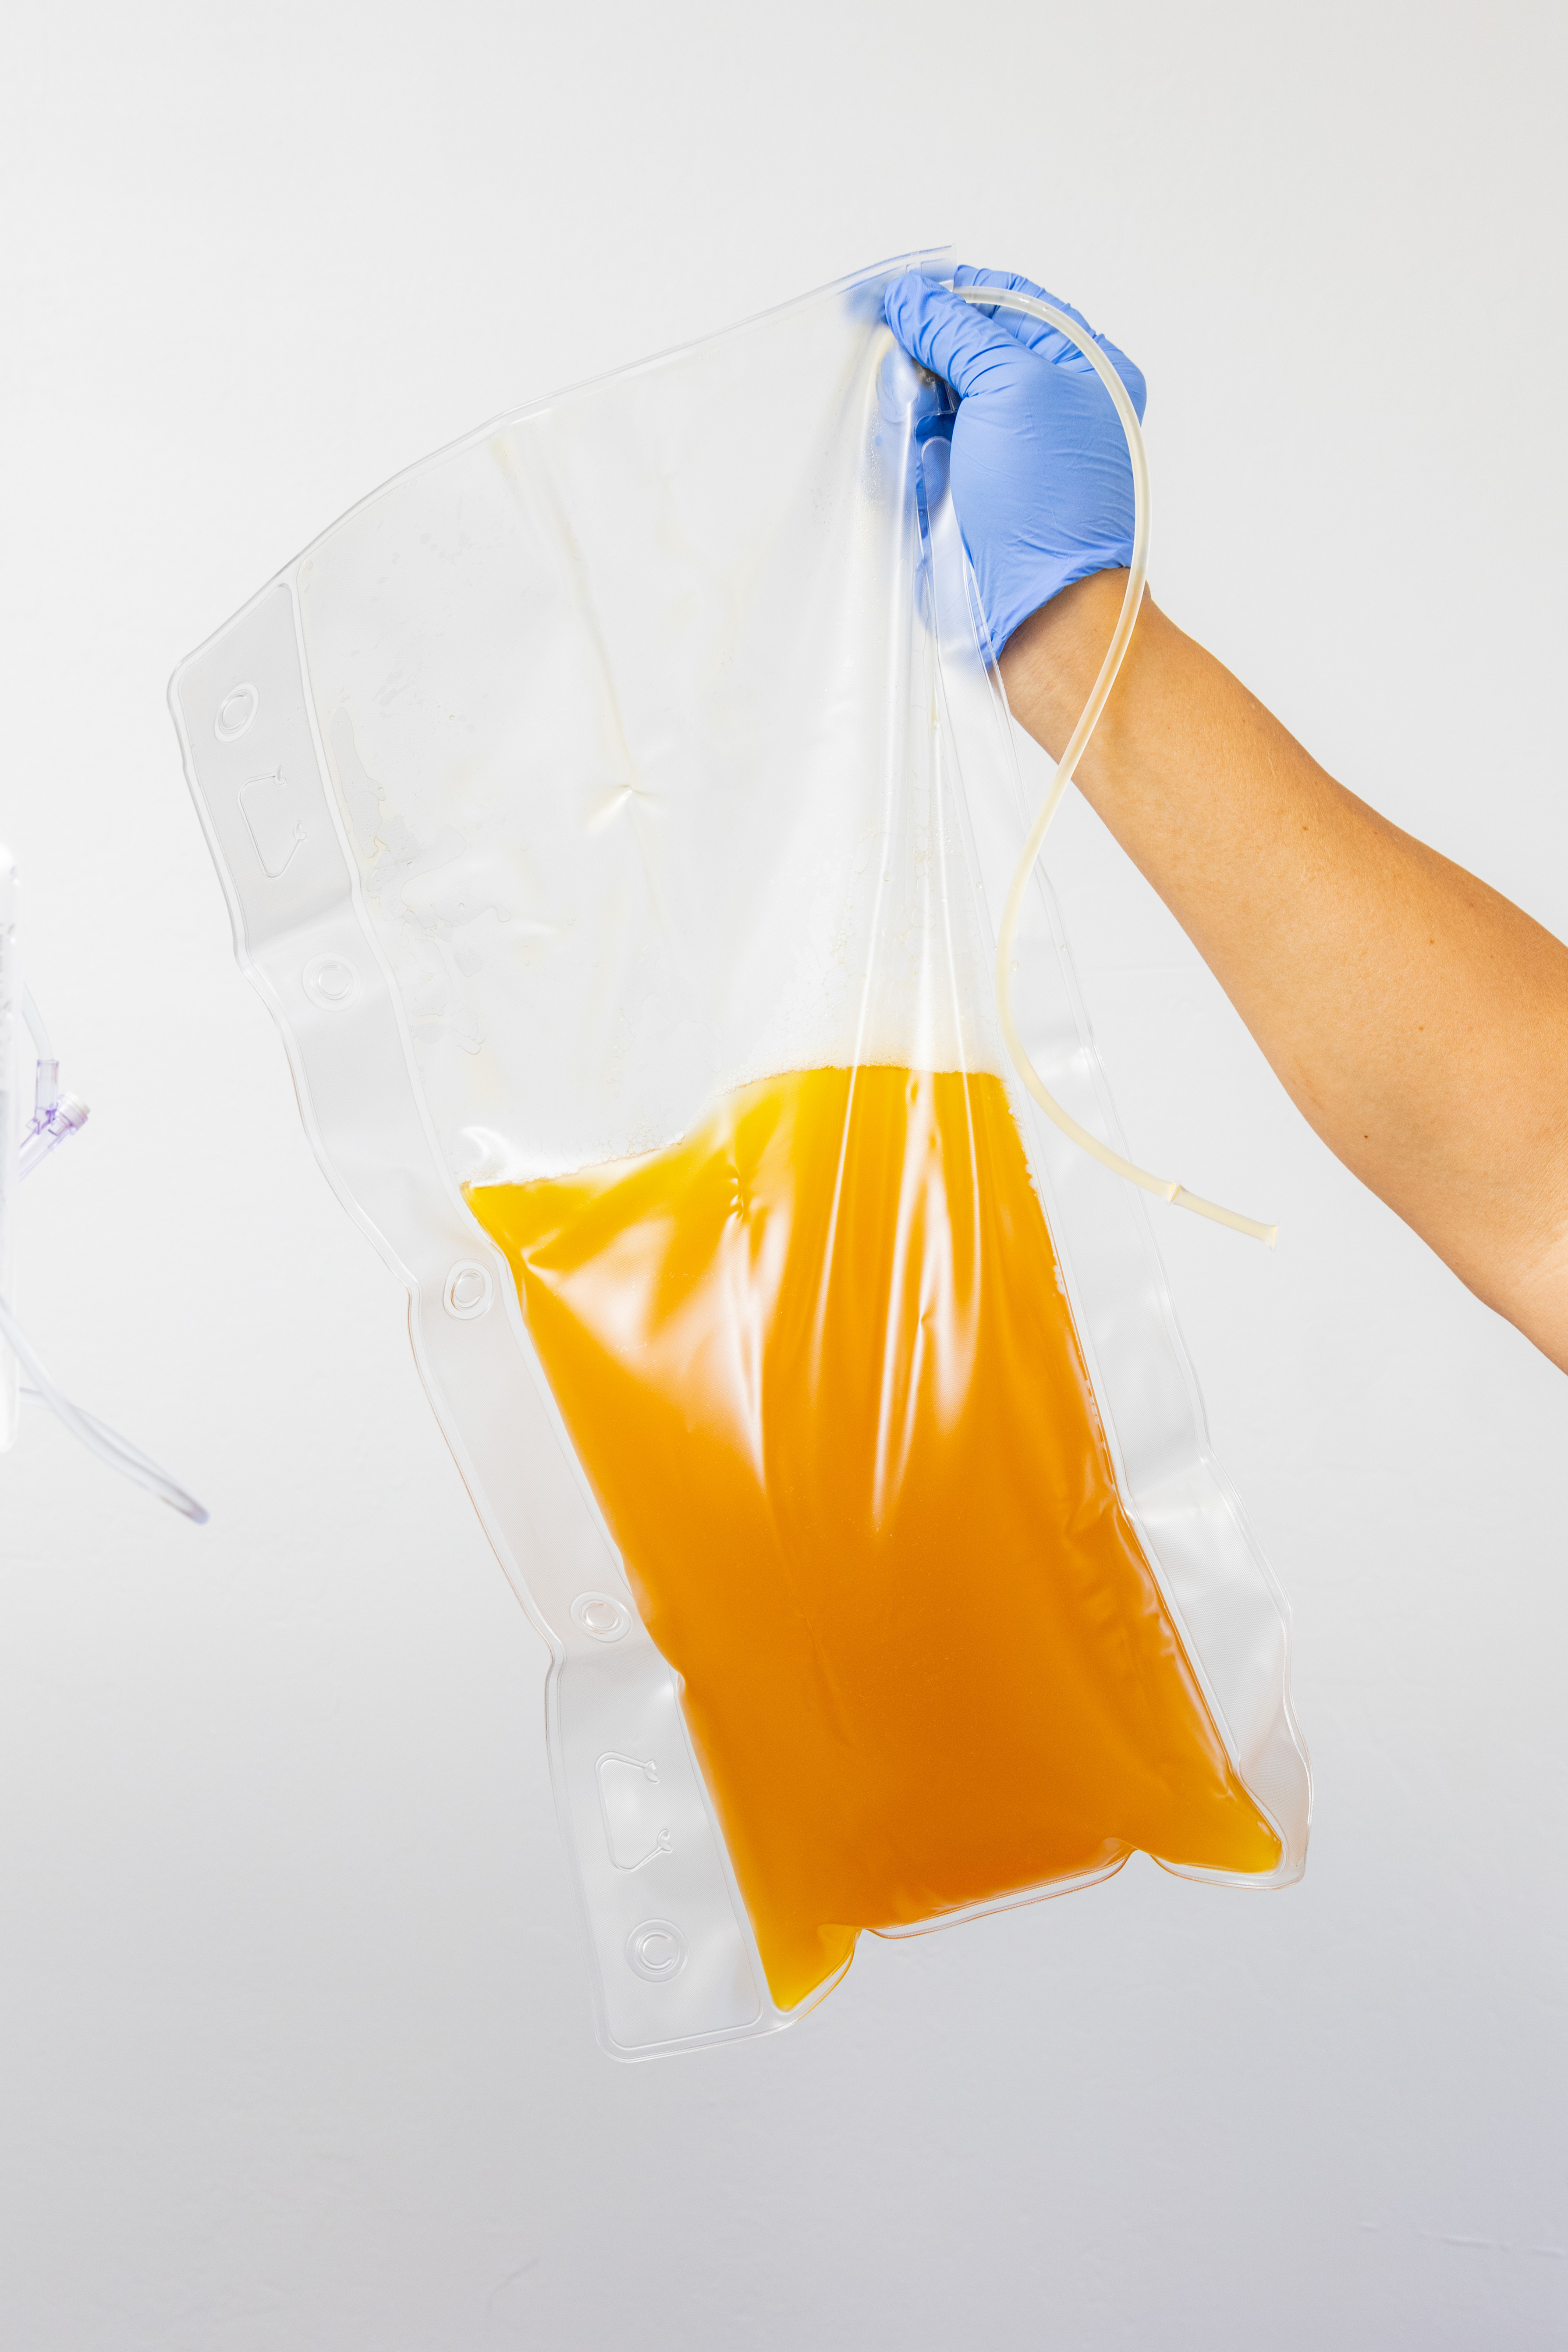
{"type": "Point", "coordinates": [1419, 1020]}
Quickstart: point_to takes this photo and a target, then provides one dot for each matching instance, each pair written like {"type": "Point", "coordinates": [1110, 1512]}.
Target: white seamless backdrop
{"type": "Point", "coordinates": [295, 2045]}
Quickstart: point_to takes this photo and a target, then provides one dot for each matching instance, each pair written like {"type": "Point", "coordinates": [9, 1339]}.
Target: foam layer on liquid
{"type": "Point", "coordinates": [818, 1365]}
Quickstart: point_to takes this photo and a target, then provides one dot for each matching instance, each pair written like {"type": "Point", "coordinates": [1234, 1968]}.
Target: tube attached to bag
{"type": "Point", "coordinates": [620, 815]}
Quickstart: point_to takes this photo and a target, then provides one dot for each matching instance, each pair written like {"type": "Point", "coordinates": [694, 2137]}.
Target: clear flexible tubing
{"type": "Point", "coordinates": [1002, 298]}
{"type": "Point", "coordinates": [117, 1452]}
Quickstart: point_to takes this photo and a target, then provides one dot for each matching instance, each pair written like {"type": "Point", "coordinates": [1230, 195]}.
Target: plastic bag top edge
{"type": "Point", "coordinates": [932, 261]}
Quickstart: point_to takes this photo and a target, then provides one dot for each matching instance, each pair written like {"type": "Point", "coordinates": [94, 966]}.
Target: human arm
{"type": "Point", "coordinates": [1417, 1019]}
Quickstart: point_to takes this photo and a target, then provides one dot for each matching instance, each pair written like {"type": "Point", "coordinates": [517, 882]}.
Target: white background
{"type": "Point", "coordinates": [294, 2039]}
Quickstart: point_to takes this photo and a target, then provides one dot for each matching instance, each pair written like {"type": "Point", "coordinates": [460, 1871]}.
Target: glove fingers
{"type": "Point", "coordinates": [951, 338]}
{"type": "Point", "coordinates": [1050, 342]}
{"type": "Point", "coordinates": [1033, 332]}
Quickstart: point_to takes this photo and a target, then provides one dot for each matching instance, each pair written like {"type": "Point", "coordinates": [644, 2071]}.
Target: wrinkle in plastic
{"type": "Point", "coordinates": [623, 865]}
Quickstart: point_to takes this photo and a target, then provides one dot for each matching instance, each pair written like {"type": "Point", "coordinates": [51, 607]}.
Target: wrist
{"type": "Point", "coordinates": [1052, 660]}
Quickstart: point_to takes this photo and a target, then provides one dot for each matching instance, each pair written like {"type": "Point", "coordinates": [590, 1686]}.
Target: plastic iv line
{"type": "Point", "coordinates": [55, 1117]}
{"type": "Point", "coordinates": [1003, 299]}
{"type": "Point", "coordinates": [95, 1435]}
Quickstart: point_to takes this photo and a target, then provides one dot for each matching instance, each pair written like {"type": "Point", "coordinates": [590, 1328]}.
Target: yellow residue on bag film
{"type": "Point", "coordinates": [818, 1365]}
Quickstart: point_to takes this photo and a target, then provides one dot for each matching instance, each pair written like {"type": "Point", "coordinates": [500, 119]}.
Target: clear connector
{"type": "Point", "coordinates": [23, 1149]}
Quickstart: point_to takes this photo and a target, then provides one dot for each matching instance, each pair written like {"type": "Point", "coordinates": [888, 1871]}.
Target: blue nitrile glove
{"type": "Point", "coordinates": [1042, 482]}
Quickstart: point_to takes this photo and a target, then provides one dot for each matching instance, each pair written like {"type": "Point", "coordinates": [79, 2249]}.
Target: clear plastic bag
{"type": "Point", "coordinates": [615, 812]}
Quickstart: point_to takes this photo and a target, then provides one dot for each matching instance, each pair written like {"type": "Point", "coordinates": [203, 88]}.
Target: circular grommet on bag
{"type": "Point", "coordinates": [602, 1615]}
{"type": "Point", "coordinates": [467, 1291]}
{"type": "Point", "coordinates": [656, 1951]}
{"type": "Point", "coordinates": [330, 981]}
{"type": "Point", "coordinates": [236, 711]}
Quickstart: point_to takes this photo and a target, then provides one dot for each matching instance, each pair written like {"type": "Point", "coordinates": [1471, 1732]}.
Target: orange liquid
{"type": "Point", "coordinates": [818, 1365]}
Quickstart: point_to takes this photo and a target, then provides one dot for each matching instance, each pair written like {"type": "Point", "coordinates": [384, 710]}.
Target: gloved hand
{"type": "Point", "coordinates": [1041, 483]}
